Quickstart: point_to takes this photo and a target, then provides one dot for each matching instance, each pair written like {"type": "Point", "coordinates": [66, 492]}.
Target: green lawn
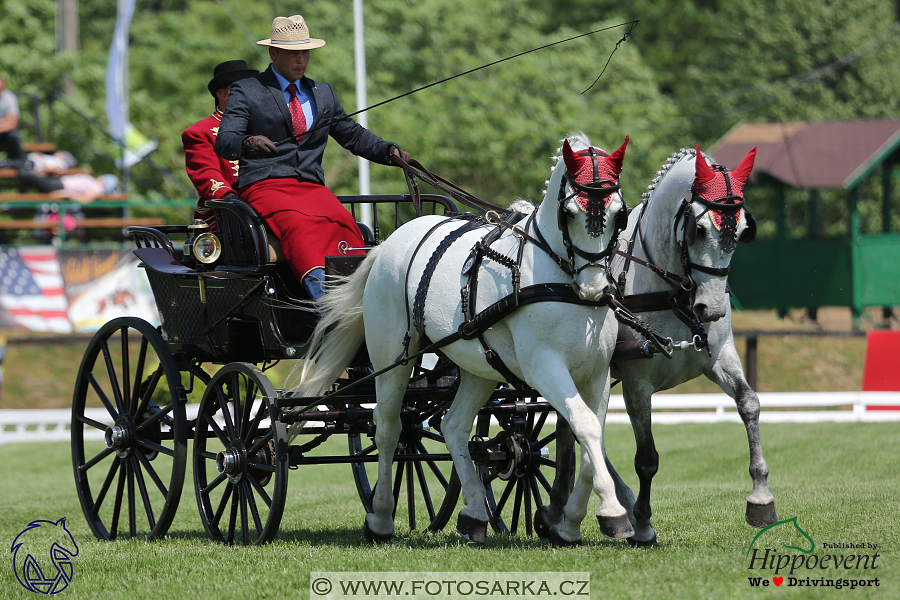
{"type": "Point", "coordinates": [840, 481]}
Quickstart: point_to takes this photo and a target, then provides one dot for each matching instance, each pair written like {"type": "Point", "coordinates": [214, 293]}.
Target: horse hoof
{"type": "Point", "coordinates": [557, 541]}
{"type": "Point", "coordinates": [760, 515]}
{"type": "Point", "coordinates": [373, 537]}
{"type": "Point", "coordinates": [641, 543]}
{"type": "Point", "coordinates": [615, 528]}
{"type": "Point", "coordinates": [471, 529]}
{"type": "Point", "coordinates": [541, 526]}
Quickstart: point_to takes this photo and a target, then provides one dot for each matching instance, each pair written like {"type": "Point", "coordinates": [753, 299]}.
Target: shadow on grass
{"type": "Point", "coordinates": [352, 537]}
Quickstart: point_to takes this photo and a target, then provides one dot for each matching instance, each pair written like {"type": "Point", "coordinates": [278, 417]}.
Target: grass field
{"type": "Point", "coordinates": [839, 480]}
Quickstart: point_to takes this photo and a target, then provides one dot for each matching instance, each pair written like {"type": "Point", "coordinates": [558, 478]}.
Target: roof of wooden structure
{"type": "Point", "coordinates": [836, 154]}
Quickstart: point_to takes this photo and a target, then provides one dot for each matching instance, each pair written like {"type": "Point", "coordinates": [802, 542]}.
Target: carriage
{"type": "Point", "coordinates": [230, 309]}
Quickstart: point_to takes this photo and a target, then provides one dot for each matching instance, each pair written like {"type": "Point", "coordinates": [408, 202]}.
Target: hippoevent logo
{"type": "Point", "coordinates": [784, 554]}
{"type": "Point", "coordinates": [42, 556]}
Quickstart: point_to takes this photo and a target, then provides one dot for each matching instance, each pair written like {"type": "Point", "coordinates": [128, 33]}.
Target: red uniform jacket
{"type": "Point", "coordinates": [212, 175]}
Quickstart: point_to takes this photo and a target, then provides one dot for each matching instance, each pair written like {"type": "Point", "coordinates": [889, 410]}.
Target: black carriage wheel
{"type": "Point", "coordinates": [518, 482]}
{"type": "Point", "coordinates": [129, 483]}
{"type": "Point", "coordinates": [240, 457]}
{"type": "Point", "coordinates": [426, 476]}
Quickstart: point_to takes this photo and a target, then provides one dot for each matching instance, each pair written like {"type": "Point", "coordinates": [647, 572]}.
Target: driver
{"type": "Point", "coordinates": [285, 183]}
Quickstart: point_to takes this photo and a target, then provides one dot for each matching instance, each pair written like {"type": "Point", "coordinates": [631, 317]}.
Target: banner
{"type": "Point", "coordinates": [135, 146]}
{"type": "Point", "coordinates": [61, 291]}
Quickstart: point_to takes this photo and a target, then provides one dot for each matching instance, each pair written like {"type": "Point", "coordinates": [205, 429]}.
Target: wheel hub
{"type": "Point", "coordinates": [119, 437]}
{"type": "Point", "coordinates": [232, 462]}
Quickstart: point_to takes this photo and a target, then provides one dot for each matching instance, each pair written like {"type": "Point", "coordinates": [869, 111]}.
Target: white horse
{"type": "Point", "coordinates": [561, 349]}
{"type": "Point", "coordinates": [687, 226]}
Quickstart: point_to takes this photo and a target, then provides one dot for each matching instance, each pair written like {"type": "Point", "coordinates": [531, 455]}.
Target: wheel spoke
{"type": "Point", "coordinates": [143, 489]}
{"type": "Point", "coordinates": [95, 509]}
{"type": "Point", "coordinates": [426, 494]}
{"type": "Point", "coordinates": [152, 472]}
{"type": "Point", "coordinates": [261, 442]}
{"type": "Point", "coordinates": [260, 490]}
{"type": "Point", "coordinates": [132, 512]}
{"type": "Point", "coordinates": [254, 511]}
{"type": "Point", "coordinates": [232, 519]}
{"type": "Point", "coordinates": [139, 377]}
{"type": "Point", "coordinates": [505, 495]}
{"type": "Point", "coordinates": [433, 466]}
{"type": "Point", "coordinates": [542, 443]}
{"type": "Point", "coordinates": [226, 413]}
{"type": "Point", "coordinates": [156, 416]}
{"type": "Point", "coordinates": [102, 454]}
{"type": "Point", "coordinates": [234, 388]}
{"type": "Point", "coordinates": [102, 395]}
{"type": "Point", "coordinates": [410, 496]}
{"type": "Point", "coordinates": [261, 467]}
{"type": "Point", "coordinates": [113, 378]}
{"type": "Point", "coordinates": [154, 446]}
{"type": "Point", "coordinates": [254, 426]}
{"type": "Point", "coordinates": [148, 390]}
{"type": "Point", "coordinates": [517, 506]}
{"type": "Point", "coordinates": [543, 481]}
{"type": "Point", "coordinates": [223, 502]}
{"type": "Point", "coordinates": [126, 373]}
{"type": "Point", "coordinates": [216, 429]}
{"type": "Point", "coordinates": [117, 507]}
{"type": "Point", "coordinates": [214, 483]}
{"type": "Point", "coordinates": [206, 454]}
{"type": "Point", "coordinates": [430, 435]}
{"type": "Point", "coordinates": [245, 523]}
{"type": "Point", "coordinates": [92, 423]}
{"type": "Point", "coordinates": [539, 425]}
{"type": "Point", "coordinates": [365, 451]}
{"type": "Point", "coordinates": [527, 497]}
{"type": "Point", "coordinates": [398, 482]}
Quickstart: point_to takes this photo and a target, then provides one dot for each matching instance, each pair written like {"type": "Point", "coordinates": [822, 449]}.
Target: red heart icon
{"type": "Point", "coordinates": [778, 580]}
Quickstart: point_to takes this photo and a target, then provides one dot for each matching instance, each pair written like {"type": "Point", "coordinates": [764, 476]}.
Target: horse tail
{"type": "Point", "coordinates": [338, 335]}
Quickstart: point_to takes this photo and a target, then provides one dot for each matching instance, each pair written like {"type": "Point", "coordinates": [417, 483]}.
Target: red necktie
{"type": "Point", "coordinates": [297, 115]}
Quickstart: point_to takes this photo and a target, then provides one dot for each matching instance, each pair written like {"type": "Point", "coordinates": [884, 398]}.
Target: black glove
{"type": "Point", "coordinates": [230, 196]}
{"type": "Point", "coordinates": [259, 146]}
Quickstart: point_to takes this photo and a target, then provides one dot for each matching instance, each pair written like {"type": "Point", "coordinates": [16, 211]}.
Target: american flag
{"type": "Point", "coordinates": [32, 289]}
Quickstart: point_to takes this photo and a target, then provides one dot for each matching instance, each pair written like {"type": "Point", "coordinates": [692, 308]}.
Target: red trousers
{"type": "Point", "coordinates": [306, 217]}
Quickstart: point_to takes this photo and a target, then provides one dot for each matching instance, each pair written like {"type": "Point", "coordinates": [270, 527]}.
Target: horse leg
{"type": "Point", "coordinates": [563, 395]}
{"type": "Point", "coordinates": [728, 374]}
{"type": "Point", "coordinates": [646, 462]}
{"type": "Point", "coordinates": [390, 388]}
{"type": "Point", "coordinates": [456, 426]}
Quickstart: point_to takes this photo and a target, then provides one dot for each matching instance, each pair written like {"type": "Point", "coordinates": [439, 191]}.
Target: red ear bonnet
{"type": "Point", "coordinates": [743, 170]}
{"type": "Point", "coordinates": [615, 159]}
{"type": "Point", "coordinates": [573, 161]}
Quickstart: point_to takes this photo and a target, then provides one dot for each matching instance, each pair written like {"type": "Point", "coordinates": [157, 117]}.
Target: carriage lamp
{"type": "Point", "coordinates": [207, 248]}
{"type": "Point", "coordinates": [195, 229]}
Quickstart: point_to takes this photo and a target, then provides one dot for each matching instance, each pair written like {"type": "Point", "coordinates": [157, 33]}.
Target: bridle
{"type": "Point", "coordinates": [684, 287]}
{"type": "Point", "coordinates": [597, 191]}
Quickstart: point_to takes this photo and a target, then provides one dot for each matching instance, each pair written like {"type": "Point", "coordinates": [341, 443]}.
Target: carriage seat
{"type": "Point", "coordinates": [247, 242]}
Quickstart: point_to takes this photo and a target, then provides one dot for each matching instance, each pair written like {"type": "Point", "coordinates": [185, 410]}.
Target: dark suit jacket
{"type": "Point", "coordinates": [256, 106]}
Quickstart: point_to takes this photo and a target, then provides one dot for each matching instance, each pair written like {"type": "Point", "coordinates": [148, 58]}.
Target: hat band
{"type": "Point", "coordinates": [290, 42]}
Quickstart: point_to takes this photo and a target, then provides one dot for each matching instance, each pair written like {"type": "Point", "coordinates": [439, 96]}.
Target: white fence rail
{"type": "Point", "coordinates": [50, 425]}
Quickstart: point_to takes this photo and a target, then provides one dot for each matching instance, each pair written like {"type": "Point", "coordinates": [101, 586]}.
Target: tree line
{"type": "Point", "coordinates": [687, 73]}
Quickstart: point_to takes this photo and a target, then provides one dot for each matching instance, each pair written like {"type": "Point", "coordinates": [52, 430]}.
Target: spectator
{"type": "Point", "coordinates": [9, 128]}
{"type": "Point", "coordinates": [79, 187]}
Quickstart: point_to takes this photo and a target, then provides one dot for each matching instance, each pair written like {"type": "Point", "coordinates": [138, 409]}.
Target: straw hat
{"type": "Point", "coordinates": [291, 33]}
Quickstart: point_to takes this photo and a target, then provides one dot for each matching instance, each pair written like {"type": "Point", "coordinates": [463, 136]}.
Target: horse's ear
{"type": "Point", "coordinates": [743, 170]}
{"type": "Point", "coordinates": [615, 159]}
{"type": "Point", "coordinates": [703, 172]}
{"type": "Point", "coordinates": [573, 161]}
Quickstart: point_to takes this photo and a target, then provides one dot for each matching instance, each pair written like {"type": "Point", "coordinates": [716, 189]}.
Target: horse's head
{"type": "Point", "coordinates": [709, 223]}
{"type": "Point", "coordinates": [590, 210]}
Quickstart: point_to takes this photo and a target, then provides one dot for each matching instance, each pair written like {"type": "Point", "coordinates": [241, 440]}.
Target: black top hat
{"type": "Point", "coordinates": [228, 72]}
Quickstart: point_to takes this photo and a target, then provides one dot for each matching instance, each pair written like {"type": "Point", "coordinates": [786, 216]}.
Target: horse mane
{"type": "Point", "coordinates": [676, 156]}
{"type": "Point", "coordinates": [521, 205]}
